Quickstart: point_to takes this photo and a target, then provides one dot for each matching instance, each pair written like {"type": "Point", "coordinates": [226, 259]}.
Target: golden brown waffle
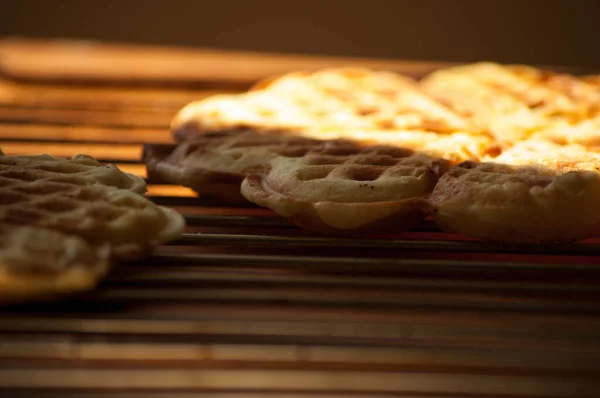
{"type": "Point", "coordinates": [380, 107]}
{"type": "Point", "coordinates": [79, 170]}
{"type": "Point", "coordinates": [585, 133]}
{"type": "Point", "coordinates": [215, 164]}
{"type": "Point", "coordinates": [512, 102]}
{"type": "Point", "coordinates": [40, 263]}
{"type": "Point", "coordinates": [561, 158]}
{"type": "Point", "coordinates": [592, 80]}
{"type": "Point", "coordinates": [373, 100]}
{"type": "Point", "coordinates": [342, 187]}
{"type": "Point", "coordinates": [519, 204]}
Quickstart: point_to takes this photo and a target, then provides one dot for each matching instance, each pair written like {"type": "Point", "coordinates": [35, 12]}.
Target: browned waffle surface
{"type": "Point", "coordinates": [246, 305]}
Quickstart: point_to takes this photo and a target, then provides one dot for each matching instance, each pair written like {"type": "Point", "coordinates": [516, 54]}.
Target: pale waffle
{"type": "Point", "coordinates": [79, 169]}
{"type": "Point", "coordinates": [100, 214]}
{"type": "Point", "coordinates": [90, 213]}
{"type": "Point", "coordinates": [344, 188]}
{"type": "Point", "coordinates": [40, 263]}
{"type": "Point", "coordinates": [531, 204]}
{"type": "Point", "coordinates": [512, 102]}
{"type": "Point", "coordinates": [380, 107]}
{"type": "Point", "coordinates": [214, 164]}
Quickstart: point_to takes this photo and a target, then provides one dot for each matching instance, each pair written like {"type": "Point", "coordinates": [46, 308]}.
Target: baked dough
{"type": "Point", "coordinates": [520, 204]}
{"type": "Point", "coordinates": [342, 188]}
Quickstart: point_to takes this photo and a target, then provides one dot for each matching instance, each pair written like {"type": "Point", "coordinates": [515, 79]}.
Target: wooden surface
{"type": "Point", "coordinates": [246, 305]}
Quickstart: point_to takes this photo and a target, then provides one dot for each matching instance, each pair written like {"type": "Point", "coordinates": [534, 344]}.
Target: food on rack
{"type": "Point", "coordinates": [100, 214]}
{"type": "Point", "coordinates": [561, 158]}
{"type": "Point", "coordinates": [79, 170]}
{"type": "Point", "coordinates": [345, 188]}
{"type": "Point", "coordinates": [543, 201]}
{"type": "Point", "coordinates": [78, 199]}
{"type": "Point", "coordinates": [51, 197]}
{"type": "Point", "coordinates": [322, 100]}
{"type": "Point", "coordinates": [512, 102]}
{"type": "Point", "coordinates": [364, 105]}
{"type": "Point", "coordinates": [535, 132]}
{"type": "Point", "coordinates": [215, 164]}
{"type": "Point", "coordinates": [40, 263]}
{"type": "Point", "coordinates": [585, 133]}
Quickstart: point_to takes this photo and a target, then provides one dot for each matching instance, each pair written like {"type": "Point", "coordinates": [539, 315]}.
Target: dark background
{"type": "Point", "coordinates": [528, 31]}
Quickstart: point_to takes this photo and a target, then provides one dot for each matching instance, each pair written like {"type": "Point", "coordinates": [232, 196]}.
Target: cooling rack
{"type": "Point", "coordinates": [244, 304]}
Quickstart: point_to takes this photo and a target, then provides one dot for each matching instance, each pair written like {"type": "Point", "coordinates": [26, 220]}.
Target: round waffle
{"type": "Point", "coordinates": [512, 102]}
{"type": "Point", "coordinates": [214, 165]}
{"type": "Point", "coordinates": [530, 204]}
{"type": "Point", "coordinates": [380, 107]}
{"type": "Point", "coordinates": [373, 100]}
{"type": "Point", "coordinates": [63, 220]}
{"type": "Point", "coordinates": [100, 214]}
{"type": "Point", "coordinates": [79, 169]}
{"type": "Point", "coordinates": [560, 158]}
{"type": "Point", "coordinates": [342, 187]}
{"type": "Point", "coordinates": [36, 263]}
{"type": "Point", "coordinates": [584, 133]}
{"type": "Point", "coordinates": [83, 197]}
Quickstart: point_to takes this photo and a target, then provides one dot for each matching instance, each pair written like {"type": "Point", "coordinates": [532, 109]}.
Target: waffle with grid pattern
{"type": "Point", "coordinates": [215, 164]}
{"type": "Point", "coordinates": [536, 200]}
{"type": "Point", "coordinates": [84, 207]}
{"type": "Point", "coordinates": [42, 263]}
{"type": "Point", "coordinates": [548, 154]}
{"type": "Point", "coordinates": [585, 133]}
{"type": "Point", "coordinates": [514, 102]}
{"type": "Point", "coordinates": [341, 187]}
{"type": "Point", "coordinates": [379, 107]}
{"type": "Point", "coordinates": [79, 169]}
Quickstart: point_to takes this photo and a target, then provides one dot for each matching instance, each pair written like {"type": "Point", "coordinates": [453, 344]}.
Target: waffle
{"type": "Point", "coordinates": [561, 158]}
{"type": "Point", "coordinates": [63, 221]}
{"type": "Point", "coordinates": [344, 188]}
{"type": "Point", "coordinates": [585, 133]}
{"type": "Point", "coordinates": [214, 165]}
{"type": "Point", "coordinates": [79, 170]}
{"type": "Point", "coordinates": [40, 263]}
{"type": "Point", "coordinates": [380, 107]}
{"type": "Point", "coordinates": [374, 99]}
{"type": "Point", "coordinates": [512, 102]}
{"type": "Point", "coordinates": [100, 214]}
{"type": "Point", "coordinates": [83, 197]}
{"type": "Point", "coordinates": [530, 204]}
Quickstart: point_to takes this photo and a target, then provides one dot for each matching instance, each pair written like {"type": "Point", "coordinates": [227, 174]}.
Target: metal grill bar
{"type": "Point", "coordinates": [213, 277]}
{"type": "Point", "coordinates": [365, 264]}
{"type": "Point", "coordinates": [429, 245]}
{"type": "Point", "coordinates": [268, 220]}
